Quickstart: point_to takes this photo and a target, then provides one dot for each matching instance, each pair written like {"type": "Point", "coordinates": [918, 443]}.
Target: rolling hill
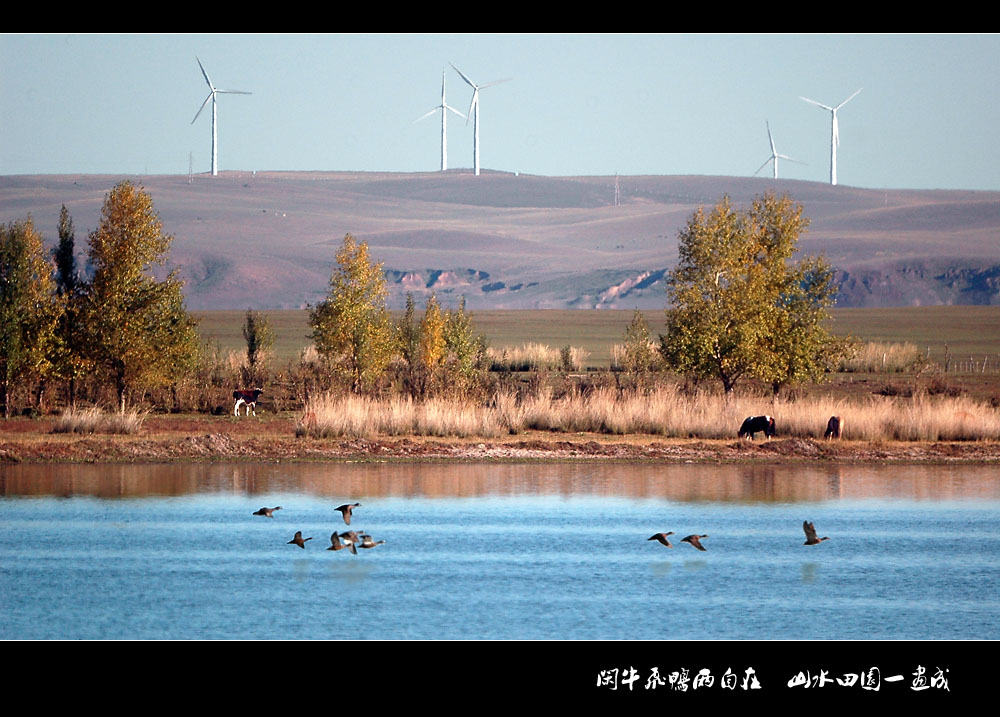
{"type": "Point", "coordinates": [267, 240]}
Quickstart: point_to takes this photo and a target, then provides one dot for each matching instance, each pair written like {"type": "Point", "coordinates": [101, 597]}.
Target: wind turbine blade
{"type": "Point", "coordinates": [204, 73]}
{"type": "Point", "coordinates": [849, 99]}
{"type": "Point", "coordinates": [770, 139]}
{"type": "Point", "coordinates": [495, 82]}
{"type": "Point", "coordinates": [815, 103]}
{"type": "Point", "coordinates": [449, 107]}
{"type": "Point", "coordinates": [433, 111]}
{"type": "Point", "coordinates": [234, 92]}
{"type": "Point", "coordinates": [468, 81]}
{"type": "Point", "coordinates": [210, 94]}
{"type": "Point", "coordinates": [475, 101]}
{"type": "Point", "coordinates": [762, 166]}
{"type": "Point", "coordinates": [783, 156]}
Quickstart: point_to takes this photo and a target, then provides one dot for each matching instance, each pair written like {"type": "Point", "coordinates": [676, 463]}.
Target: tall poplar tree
{"type": "Point", "coordinates": [139, 332]}
{"type": "Point", "coordinates": [29, 308]}
{"type": "Point", "coordinates": [69, 357]}
{"type": "Point", "coordinates": [352, 329]}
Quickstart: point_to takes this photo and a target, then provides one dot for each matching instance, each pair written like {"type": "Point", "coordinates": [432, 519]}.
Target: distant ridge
{"type": "Point", "coordinates": [267, 239]}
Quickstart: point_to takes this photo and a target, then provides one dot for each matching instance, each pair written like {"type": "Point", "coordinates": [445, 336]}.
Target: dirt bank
{"type": "Point", "coordinates": [204, 438]}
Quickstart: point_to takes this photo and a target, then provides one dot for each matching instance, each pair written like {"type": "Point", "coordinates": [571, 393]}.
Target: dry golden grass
{"type": "Point", "coordinates": [329, 416]}
{"type": "Point", "coordinates": [534, 356]}
{"type": "Point", "coordinates": [879, 357]}
{"type": "Point", "coordinates": [94, 420]}
{"type": "Point", "coordinates": [663, 412]}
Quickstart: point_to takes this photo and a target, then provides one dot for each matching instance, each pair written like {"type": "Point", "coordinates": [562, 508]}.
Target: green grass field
{"type": "Point", "coordinates": [965, 330]}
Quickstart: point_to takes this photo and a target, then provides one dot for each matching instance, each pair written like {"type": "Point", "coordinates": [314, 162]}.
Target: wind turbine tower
{"type": "Point", "coordinates": [445, 108]}
{"type": "Point", "coordinates": [213, 91]}
{"type": "Point", "coordinates": [774, 154]}
{"type": "Point", "coordinates": [834, 131]}
{"type": "Point", "coordinates": [475, 107]}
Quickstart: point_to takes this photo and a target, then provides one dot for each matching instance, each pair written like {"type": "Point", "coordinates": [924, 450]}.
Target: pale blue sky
{"type": "Point", "coordinates": [575, 104]}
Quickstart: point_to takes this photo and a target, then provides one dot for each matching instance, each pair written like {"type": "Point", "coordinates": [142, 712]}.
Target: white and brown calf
{"type": "Point", "coordinates": [247, 398]}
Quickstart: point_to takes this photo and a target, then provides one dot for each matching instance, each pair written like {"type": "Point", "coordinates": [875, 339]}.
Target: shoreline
{"type": "Point", "coordinates": [169, 439]}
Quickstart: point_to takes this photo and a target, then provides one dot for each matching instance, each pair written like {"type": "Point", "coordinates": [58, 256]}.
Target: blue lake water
{"type": "Point", "coordinates": [499, 551]}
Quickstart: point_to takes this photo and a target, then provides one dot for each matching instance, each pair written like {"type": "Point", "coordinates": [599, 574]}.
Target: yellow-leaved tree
{"type": "Point", "coordinates": [352, 329]}
{"type": "Point", "coordinates": [138, 332]}
{"type": "Point", "coordinates": [741, 305]}
{"type": "Point", "coordinates": [432, 344]}
{"type": "Point", "coordinates": [29, 309]}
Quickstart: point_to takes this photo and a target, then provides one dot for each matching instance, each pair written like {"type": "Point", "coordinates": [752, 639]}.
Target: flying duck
{"type": "Point", "coordinates": [267, 511]}
{"type": "Point", "coordinates": [346, 510]}
{"type": "Point", "coordinates": [811, 538]}
{"type": "Point", "coordinates": [662, 538]}
{"type": "Point", "coordinates": [695, 540]}
{"type": "Point", "coordinates": [368, 542]}
{"type": "Point", "coordinates": [335, 544]}
{"type": "Point", "coordinates": [298, 540]}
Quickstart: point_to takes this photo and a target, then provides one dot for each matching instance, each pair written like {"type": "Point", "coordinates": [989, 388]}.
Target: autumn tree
{"type": "Point", "coordinates": [465, 348]}
{"type": "Point", "coordinates": [70, 355]}
{"type": "Point", "coordinates": [259, 337]}
{"type": "Point", "coordinates": [639, 356]}
{"type": "Point", "coordinates": [139, 332]}
{"type": "Point", "coordinates": [352, 328]}
{"type": "Point", "coordinates": [29, 308]}
{"type": "Point", "coordinates": [431, 342]}
{"type": "Point", "coordinates": [740, 306]}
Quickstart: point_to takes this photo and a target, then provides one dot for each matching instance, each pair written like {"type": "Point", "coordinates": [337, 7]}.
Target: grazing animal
{"type": "Point", "coordinates": [756, 424]}
{"type": "Point", "coordinates": [335, 544]}
{"type": "Point", "coordinates": [368, 542]}
{"type": "Point", "coordinates": [811, 538]}
{"type": "Point", "coordinates": [695, 540]}
{"type": "Point", "coordinates": [267, 511]}
{"type": "Point", "coordinates": [346, 511]}
{"type": "Point", "coordinates": [298, 540]}
{"type": "Point", "coordinates": [248, 398]}
{"type": "Point", "coordinates": [834, 427]}
{"type": "Point", "coordinates": [662, 538]}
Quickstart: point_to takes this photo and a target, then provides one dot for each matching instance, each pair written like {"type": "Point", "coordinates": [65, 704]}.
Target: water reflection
{"type": "Point", "coordinates": [682, 483]}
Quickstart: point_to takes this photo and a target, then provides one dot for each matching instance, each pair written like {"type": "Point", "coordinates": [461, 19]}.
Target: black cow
{"type": "Point", "coordinates": [756, 424]}
{"type": "Point", "coordinates": [246, 397]}
{"type": "Point", "coordinates": [834, 427]}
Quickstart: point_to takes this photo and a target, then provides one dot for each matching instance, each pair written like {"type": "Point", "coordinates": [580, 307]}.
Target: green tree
{"type": "Point", "coordinates": [69, 355]}
{"type": "Point", "coordinates": [639, 354]}
{"type": "Point", "coordinates": [352, 328]}
{"type": "Point", "coordinates": [740, 306]}
{"type": "Point", "coordinates": [29, 308]}
{"type": "Point", "coordinates": [139, 333]}
{"type": "Point", "coordinates": [259, 337]}
{"type": "Point", "coordinates": [465, 348]}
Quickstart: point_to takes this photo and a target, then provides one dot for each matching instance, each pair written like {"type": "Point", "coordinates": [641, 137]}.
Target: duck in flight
{"type": "Point", "coordinates": [336, 544]}
{"type": "Point", "coordinates": [662, 538]}
{"type": "Point", "coordinates": [368, 542]}
{"type": "Point", "coordinates": [267, 511]}
{"type": "Point", "coordinates": [695, 540]}
{"type": "Point", "coordinates": [298, 540]}
{"type": "Point", "coordinates": [346, 511]}
{"type": "Point", "coordinates": [811, 538]}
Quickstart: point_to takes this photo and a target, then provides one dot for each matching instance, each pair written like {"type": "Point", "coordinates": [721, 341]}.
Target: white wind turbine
{"type": "Point", "coordinates": [774, 154]}
{"type": "Point", "coordinates": [834, 132]}
{"type": "Point", "coordinates": [475, 106]}
{"type": "Point", "coordinates": [445, 108]}
{"type": "Point", "coordinates": [215, 133]}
